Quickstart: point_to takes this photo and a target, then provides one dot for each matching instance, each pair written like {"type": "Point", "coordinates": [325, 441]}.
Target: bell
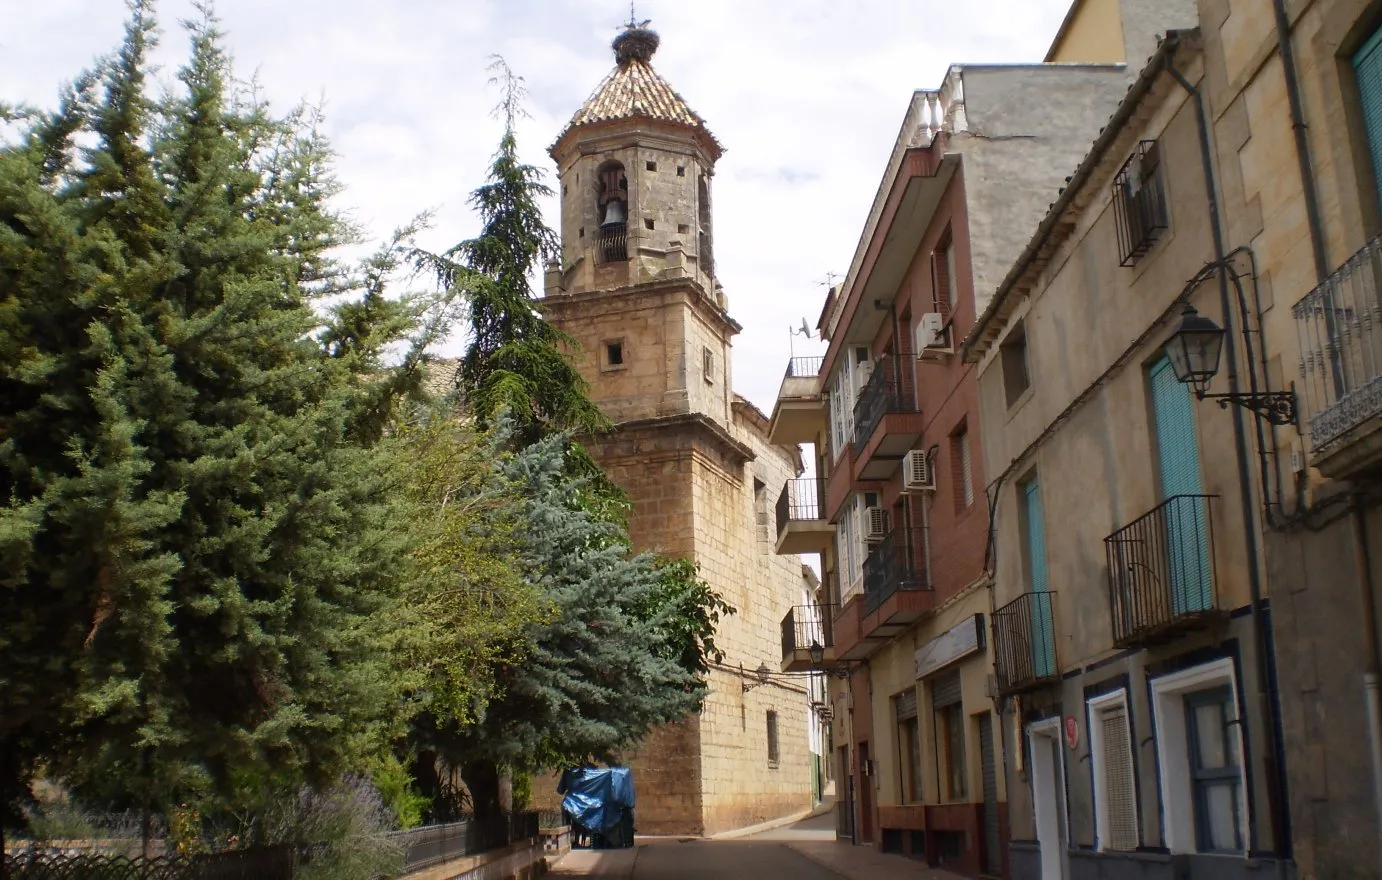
{"type": "Point", "coordinates": [614, 214]}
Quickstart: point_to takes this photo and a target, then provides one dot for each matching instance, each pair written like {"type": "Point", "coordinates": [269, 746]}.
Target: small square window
{"type": "Point", "coordinates": [683, 229]}
{"type": "Point", "coordinates": [652, 166]}
{"type": "Point", "coordinates": [581, 233]}
{"type": "Point", "coordinates": [681, 171]}
{"type": "Point", "coordinates": [648, 222]}
{"type": "Point", "coordinates": [613, 355]}
{"type": "Point", "coordinates": [708, 365]}
{"type": "Point", "coordinates": [564, 189]}
{"type": "Point", "coordinates": [1013, 352]}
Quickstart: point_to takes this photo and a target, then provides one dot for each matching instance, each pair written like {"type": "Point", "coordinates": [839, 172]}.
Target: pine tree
{"type": "Point", "coordinates": [194, 555]}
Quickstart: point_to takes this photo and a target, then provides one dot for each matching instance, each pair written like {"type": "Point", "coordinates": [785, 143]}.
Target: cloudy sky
{"type": "Point", "coordinates": [806, 95]}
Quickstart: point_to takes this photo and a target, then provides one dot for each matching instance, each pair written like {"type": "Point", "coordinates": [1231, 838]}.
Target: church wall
{"type": "Point", "coordinates": [734, 546]}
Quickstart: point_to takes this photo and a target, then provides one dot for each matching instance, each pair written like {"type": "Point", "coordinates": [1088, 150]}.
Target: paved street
{"type": "Point", "coordinates": [804, 851]}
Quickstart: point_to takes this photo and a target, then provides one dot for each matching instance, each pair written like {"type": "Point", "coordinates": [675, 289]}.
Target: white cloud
{"type": "Point", "coordinates": [806, 96]}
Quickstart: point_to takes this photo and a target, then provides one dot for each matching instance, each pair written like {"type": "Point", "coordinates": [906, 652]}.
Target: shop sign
{"type": "Point", "coordinates": [959, 641]}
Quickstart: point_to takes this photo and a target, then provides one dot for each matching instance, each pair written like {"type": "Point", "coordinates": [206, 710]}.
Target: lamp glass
{"type": "Point", "coordinates": [816, 652]}
{"type": "Point", "coordinates": [1194, 349]}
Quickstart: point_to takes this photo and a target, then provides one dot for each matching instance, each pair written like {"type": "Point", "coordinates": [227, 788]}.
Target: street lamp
{"type": "Point", "coordinates": [761, 673]}
{"type": "Point", "coordinates": [1194, 350]}
{"type": "Point", "coordinates": [816, 651]}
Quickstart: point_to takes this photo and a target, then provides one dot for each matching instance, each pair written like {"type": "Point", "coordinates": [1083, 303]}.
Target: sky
{"type": "Point", "coordinates": [807, 97]}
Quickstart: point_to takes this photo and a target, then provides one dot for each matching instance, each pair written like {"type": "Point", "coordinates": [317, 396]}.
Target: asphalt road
{"type": "Point", "coordinates": [675, 860]}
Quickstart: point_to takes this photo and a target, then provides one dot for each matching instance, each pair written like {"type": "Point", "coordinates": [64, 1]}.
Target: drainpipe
{"type": "Point", "coordinates": [1372, 673]}
{"type": "Point", "coordinates": [1266, 698]}
{"type": "Point", "coordinates": [1298, 128]}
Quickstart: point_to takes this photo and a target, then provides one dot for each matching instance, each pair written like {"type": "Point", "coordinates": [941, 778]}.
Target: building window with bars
{"type": "Point", "coordinates": [774, 749]}
{"type": "Point", "coordinates": [908, 746]}
{"type": "Point", "coordinates": [1111, 756]}
{"type": "Point", "coordinates": [948, 710]}
{"type": "Point", "coordinates": [1139, 202]}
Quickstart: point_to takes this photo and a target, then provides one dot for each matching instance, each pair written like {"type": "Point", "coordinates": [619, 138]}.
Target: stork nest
{"type": "Point", "coordinates": [635, 44]}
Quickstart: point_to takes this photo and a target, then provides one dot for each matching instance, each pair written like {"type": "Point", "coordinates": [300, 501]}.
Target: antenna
{"type": "Point", "coordinates": [633, 19]}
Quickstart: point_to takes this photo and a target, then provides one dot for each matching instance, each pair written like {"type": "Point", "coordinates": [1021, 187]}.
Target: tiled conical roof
{"type": "Point", "coordinates": [633, 89]}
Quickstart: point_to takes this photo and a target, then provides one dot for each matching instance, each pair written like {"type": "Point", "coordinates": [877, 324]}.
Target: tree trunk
{"type": "Point", "coordinates": [482, 779]}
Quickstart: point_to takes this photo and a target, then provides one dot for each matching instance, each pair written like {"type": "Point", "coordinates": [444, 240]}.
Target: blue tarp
{"type": "Point", "coordinates": [598, 798]}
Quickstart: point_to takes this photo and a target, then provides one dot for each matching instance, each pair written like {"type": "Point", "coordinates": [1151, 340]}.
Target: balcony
{"type": "Point", "coordinates": [854, 632]}
{"type": "Point", "coordinates": [799, 415]}
{"type": "Point", "coordinates": [1161, 572]}
{"type": "Point", "coordinates": [1024, 643]}
{"type": "Point", "coordinates": [801, 523]}
{"type": "Point", "coordinates": [897, 589]}
{"type": "Point", "coordinates": [1340, 329]}
{"type": "Point", "coordinates": [804, 626]}
{"type": "Point", "coordinates": [887, 421]}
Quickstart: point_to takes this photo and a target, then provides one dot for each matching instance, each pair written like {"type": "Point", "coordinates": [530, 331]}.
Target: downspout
{"type": "Point", "coordinates": [1298, 128]}
{"type": "Point", "coordinates": [1266, 697]}
{"type": "Point", "coordinates": [1372, 673]}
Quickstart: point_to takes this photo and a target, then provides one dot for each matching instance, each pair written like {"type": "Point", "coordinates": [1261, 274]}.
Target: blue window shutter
{"type": "Point", "coordinates": [1186, 513]}
{"type": "Point", "coordinates": [1042, 621]}
{"type": "Point", "coordinates": [1367, 68]}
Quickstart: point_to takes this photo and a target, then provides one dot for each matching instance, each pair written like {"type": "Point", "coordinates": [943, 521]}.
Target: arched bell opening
{"type": "Point", "coordinates": [612, 205]}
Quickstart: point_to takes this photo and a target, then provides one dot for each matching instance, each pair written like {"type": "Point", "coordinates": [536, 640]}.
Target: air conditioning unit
{"type": "Point", "coordinates": [875, 525]}
{"type": "Point", "coordinates": [917, 475]}
{"type": "Point", "coordinates": [931, 336]}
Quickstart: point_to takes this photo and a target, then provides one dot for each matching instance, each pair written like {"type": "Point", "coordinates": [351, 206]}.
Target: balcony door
{"type": "Point", "coordinates": [1186, 514]}
{"type": "Point", "coordinates": [1043, 639]}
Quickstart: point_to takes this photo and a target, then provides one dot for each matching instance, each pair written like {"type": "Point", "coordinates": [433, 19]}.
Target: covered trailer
{"type": "Point", "coordinates": [599, 804]}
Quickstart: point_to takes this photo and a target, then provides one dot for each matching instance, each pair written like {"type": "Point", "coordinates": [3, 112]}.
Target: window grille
{"type": "Point", "coordinates": [1139, 202]}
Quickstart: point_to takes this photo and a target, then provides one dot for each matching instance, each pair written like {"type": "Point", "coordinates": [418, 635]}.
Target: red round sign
{"type": "Point", "coordinates": [1072, 731]}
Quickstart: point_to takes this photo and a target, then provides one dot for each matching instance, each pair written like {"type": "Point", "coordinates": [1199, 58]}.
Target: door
{"type": "Point", "coordinates": [1039, 607]}
{"type": "Point", "coordinates": [1048, 798]}
{"type": "Point", "coordinates": [1188, 564]}
{"type": "Point", "coordinates": [844, 825]}
{"type": "Point", "coordinates": [993, 855]}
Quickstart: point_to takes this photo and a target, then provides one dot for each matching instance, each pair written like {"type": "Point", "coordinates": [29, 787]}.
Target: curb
{"type": "Point", "coordinates": [819, 810]}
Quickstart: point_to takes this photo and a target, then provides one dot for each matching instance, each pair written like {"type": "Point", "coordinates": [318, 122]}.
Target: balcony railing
{"type": "Point", "coordinates": [1161, 569]}
{"type": "Point", "coordinates": [807, 625]}
{"type": "Point", "coordinates": [898, 563]}
{"type": "Point", "coordinates": [1340, 329]}
{"type": "Point", "coordinates": [612, 244]}
{"type": "Point", "coordinates": [1139, 202]}
{"type": "Point", "coordinates": [804, 367]}
{"type": "Point", "coordinates": [891, 389]}
{"type": "Point", "coordinates": [801, 500]}
{"type": "Point", "coordinates": [1024, 642]}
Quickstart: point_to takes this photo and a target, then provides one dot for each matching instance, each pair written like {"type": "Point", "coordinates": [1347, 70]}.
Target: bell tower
{"type": "Point", "coordinates": [636, 284]}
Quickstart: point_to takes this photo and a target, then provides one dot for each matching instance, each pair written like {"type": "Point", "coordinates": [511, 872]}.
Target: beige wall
{"type": "Point", "coordinates": [1093, 35]}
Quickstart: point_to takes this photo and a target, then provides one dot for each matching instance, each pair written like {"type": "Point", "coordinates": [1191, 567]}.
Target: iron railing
{"type": "Point", "coordinates": [898, 563]}
{"type": "Point", "coordinates": [1024, 642]}
{"type": "Point", "coordinates": [891, 389]}
{"type": "Point", "coordinates": [280, 862]}
{"type": "Point", "coordinates": [1161, 568]}
{"type": "Point", "coordinates": [434, 844]}
{"type": "Point", "coordinates": [612, 244]}
{"type": "Point", "coordinates": [1339, 324]}
{"type": "Point", "coordinates": [807, 625]}
{"type": "Point", "coordinates": [804, 367]}
{"type": "Point", "coordinates": [801, 500]}
{"type": "Point", "coordinates": [1139, 202]}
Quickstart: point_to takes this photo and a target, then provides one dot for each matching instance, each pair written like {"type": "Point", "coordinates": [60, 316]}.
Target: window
{"type": "Point", "coordinates": [1214, 769]}
{"type": "Point", "coordinates": [774, 753]}
{"type": "Point", "coordinates": [648, 223]}
{"type": "Point", "coordinates": [651, 166]}
{"type": "Point", "coordinates": [1013, 353]}
{"type": "Point", "coordinates": [846, 383]}
{"type": "Point", "coordinates": [963, 476]}
{"type": "Point", "coordinates": [760, 507]}
{"type": "Point", "coordinates": [950, 736]}
{"type": "Point", "coordinates": [1200, 758]}
{"type": "Point", "coordinates": [683, 229]}
{"type": "Point", "coordinates": [1367, 69]}
{"type": "Point", "coordinates": [708, 365]}
{"type": "Point", "coordinates": [681, 171]}
{"type": "Point", "coordinates": [943, 276]}
{"type": "Point", "coordinates": [908, 746]}
{"type": "Point", "coordinates": [614, 354]}
{"type": "Point", "coordinates": [1115, 794]}
{"type": "Point", "coordinates": [1139, 203]}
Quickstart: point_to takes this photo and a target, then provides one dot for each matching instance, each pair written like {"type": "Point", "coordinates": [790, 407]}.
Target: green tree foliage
{"type": "Point", "coordinates": [194, 555]}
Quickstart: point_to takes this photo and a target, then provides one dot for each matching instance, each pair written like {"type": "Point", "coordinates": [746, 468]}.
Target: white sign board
{"type": "Point", "coordinates": [959, 641]}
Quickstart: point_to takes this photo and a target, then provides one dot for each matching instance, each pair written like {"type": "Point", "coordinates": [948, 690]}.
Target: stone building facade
{"type": "Point", "coordinates": [636, 288]}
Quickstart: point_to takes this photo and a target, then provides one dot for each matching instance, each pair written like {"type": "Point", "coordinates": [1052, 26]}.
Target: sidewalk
{"type": "Point", "coordinates": [815, 838]}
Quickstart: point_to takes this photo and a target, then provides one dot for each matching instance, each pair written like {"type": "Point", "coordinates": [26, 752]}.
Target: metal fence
{"type": "Point", "coordinates": [804, 367]}
{"type": "Point", "coordinates": [1024, 641]}
{"type": "Point", "coordinates": [802, 500]}
{"type": "Point", "coordinates": [260, 863]}
{"type": "Point", "coordinates": [806, 625]}
{"type": "Point", "coordinates": [898, 563]}
{"type": "Point", "coordinates": [434, 844]}
{"type": "Point", "coordinates": [1161, 568]}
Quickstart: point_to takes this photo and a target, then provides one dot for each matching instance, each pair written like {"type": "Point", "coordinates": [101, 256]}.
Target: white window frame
{"type": "Point", "coordinates": [1099, 762]}
{"type": "Point", "coordinates": [849, 539]}
{"type": "Point", "coordinates": [1049, 827]}
{"type": "Point", "coordinates": [1173, 751]}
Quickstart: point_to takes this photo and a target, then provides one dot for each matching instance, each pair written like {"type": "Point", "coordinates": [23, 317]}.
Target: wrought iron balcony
{"type": "Point", "coordinates": [806, 626]}
{"type": "Point", "coordinates": [898, 563]}
{"type": "Point", "coordinates": [801, 523]}
{"type": "Point", "coordinates": [1161, 570]}
{"type": "Point", "coordinates": [1340, 329]}
{"type": "Point", "coordinates": [612, 244]}
{"type": "Point", "coordinates": [891, 389]}
{"type": "Point", "coordinates": [1024, 643]}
